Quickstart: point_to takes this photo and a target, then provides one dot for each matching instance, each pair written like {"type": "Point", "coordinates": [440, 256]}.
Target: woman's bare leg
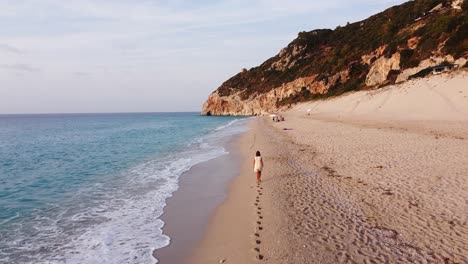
{"type": "Point", "coordinates": [259, 175]}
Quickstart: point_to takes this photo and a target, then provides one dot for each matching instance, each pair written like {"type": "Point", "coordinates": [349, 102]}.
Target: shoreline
{"type": "Point", "coordinates": [232, 222]}
{"type": "Point", "coordinates": [188, 211]}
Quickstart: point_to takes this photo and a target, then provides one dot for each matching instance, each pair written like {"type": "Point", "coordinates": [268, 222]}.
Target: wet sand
{"type": "Point", "coordinates": [371, 184]}
{"type": "Point", "coordinates": [188, 211]}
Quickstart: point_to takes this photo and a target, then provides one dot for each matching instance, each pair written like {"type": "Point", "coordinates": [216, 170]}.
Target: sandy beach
{"type": "Point", "coordinates": [135, 132]}
{"type": "Point", "coordinates": [188, 211]}
{"type": "Point", "coordinates": [369, 177]}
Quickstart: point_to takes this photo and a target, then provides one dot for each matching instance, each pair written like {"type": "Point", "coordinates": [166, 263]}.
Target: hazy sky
{"type": "Point", "coordinates": [145, 55]}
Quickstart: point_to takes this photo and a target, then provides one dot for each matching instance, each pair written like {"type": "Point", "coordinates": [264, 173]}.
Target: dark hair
{"type": "Point", "coordinates": [257, 154]}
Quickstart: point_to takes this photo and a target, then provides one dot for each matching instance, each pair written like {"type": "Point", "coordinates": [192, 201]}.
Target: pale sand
{"type": "Point", "coordinates": [382, 180]}
{"type": "Point", "coordinates": [188, 211]}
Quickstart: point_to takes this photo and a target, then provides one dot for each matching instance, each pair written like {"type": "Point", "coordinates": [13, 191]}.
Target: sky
{"type": "Point", "coordinates": [90, 56]}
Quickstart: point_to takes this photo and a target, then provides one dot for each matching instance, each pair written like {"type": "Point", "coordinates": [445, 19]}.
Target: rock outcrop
{"type": "Point", "coordinates": [380, 68]}
{"type": "Point", "coordinates": [259, 104]}
{"type": "Point", "coordinates": [386, 48]}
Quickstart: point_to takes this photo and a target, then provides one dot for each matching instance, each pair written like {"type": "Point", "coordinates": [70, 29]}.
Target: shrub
{"type": "Point", "coordinates": [326, 52]}
{"type": "Point", "coordinates": [406, 59]}
{"type": "Point", "coordinates": [457, 44]}
{"type": "Point", "coordinates": [465, 5]}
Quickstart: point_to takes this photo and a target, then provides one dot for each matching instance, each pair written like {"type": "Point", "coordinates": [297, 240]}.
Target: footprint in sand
{"type": "Point", "coordinates": [259, 227]}
{"type": "Point", "coordinates": [387, 192]}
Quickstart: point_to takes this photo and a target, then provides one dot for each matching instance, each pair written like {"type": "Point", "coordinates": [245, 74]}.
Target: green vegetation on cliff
{"type": "Point", "coordinates": [416, 30]}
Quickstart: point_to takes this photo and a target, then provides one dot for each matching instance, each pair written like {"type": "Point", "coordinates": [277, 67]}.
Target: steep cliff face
{"type": "Point", "coordinates": [384, 49]}
{"type": "Point", "coordinates": [261, 104]}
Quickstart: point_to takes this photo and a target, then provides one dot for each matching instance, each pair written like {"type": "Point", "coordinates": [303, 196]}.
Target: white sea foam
{"type": "Point", "coordinates": [134, 230]}
{"type": "Point", "coordinates": [226, 125]}
{"type": "Point", "coordinates": [115, 224]}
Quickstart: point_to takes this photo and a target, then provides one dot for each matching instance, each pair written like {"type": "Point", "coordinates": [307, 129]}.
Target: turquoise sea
{"type": "Point", "coordinates": [90, 188]}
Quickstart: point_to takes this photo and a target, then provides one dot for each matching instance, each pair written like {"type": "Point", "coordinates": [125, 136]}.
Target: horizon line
{"type": "Point", "coordinates": [95, 113]}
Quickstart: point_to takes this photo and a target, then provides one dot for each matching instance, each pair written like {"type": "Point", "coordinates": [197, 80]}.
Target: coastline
{"type": "Point", "coordinates": [338, 186]}
{"type": "Point", "coordinates": [201, 190]}
{"type": "Point", "coordinates": [232, 224]}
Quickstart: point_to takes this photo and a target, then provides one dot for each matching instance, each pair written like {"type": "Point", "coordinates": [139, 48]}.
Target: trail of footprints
{"type": "Point", "coordinates": [258, 227]}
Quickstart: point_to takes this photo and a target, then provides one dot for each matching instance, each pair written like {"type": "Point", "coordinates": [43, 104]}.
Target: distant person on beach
{"type": "Point", "coordinates": [258, 166]}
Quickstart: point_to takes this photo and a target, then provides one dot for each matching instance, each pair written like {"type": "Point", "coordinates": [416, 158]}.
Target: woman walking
{"type": "Point", "coordinates": [258, 166]}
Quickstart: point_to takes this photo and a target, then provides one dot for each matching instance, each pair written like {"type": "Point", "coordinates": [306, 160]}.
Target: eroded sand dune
{"type": "Point", "coordinates": [442, 97]}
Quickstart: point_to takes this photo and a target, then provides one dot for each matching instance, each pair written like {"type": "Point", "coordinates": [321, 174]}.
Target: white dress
{"type": "Point", "coordinates": [258, 164]}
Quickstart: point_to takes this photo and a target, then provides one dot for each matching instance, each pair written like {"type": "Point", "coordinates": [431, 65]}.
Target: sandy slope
{"type": "Point", "coordinates": [441, 97]}
{"type": "Point", "coordinates": [370, 177]}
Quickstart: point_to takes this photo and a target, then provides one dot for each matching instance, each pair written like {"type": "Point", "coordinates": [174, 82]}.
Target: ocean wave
{"type": "Point", "coordinates": [116, 222]}
{"type": "Point", "coordinates": [227, 125]}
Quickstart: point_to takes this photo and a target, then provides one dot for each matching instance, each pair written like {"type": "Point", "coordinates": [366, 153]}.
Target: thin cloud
{"type": "Point", "coordinates": [136, 49]}
{"type": "Point", "coordinates": [103, 16]}
{"type": "Point", "coordinates": [10, 49]}
{"type": "Point", "coordinates": [80, 73]}
{"type": "Point", "coordinates": [19, 67]}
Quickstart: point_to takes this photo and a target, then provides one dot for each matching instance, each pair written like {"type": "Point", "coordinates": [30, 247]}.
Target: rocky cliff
{"type": "Point", "coordinates": [386, 48]}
